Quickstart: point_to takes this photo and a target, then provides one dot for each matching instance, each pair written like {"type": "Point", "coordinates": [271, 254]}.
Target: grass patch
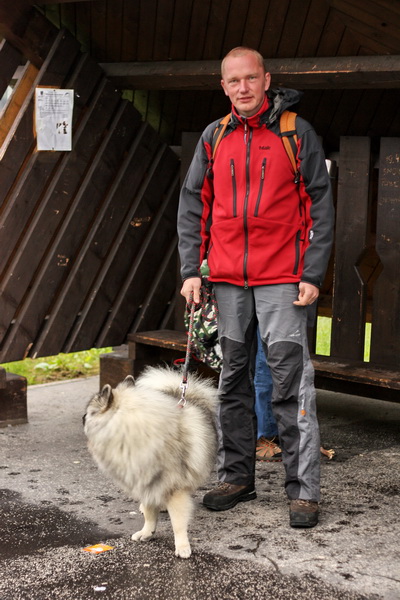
{"type": "Point", "coordinates": [323, 341]}
{"type": "Point", "coordinates": [60, 367]}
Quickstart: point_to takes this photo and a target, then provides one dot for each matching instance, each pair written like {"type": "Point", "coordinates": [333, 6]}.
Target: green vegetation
{"type": "Point", "coordinates": [55, 368]}
{"type": "Point", "coordinates": [323, 342]}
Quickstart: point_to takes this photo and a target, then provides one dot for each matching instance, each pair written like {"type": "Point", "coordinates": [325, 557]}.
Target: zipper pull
{"type": "Point", "coordinates": [246, 285]}
{"type": "Point", "coordinates": [245, 131]}
{"type": "Point", "coordinates": [297, 177]}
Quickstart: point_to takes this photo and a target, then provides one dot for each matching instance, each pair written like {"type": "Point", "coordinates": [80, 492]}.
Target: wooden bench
{"type": "Point", "coordinates": [359, 378]}
{"type": "Point", "coordinates": [356, 377]}
{"type": "Point", "coordinates": [13, 399]}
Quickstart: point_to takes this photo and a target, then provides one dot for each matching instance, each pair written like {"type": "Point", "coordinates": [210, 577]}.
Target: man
{"type": "Point", "coordinates": [267, 237]}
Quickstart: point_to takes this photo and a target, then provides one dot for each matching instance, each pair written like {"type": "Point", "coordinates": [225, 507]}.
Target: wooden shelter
{"type": "Point", "coordinates": [88, 236]}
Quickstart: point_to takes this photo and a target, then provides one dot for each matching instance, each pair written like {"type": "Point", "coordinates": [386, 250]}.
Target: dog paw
{"type": "Point", "coordinates": [183, 551]}
{"type": "Point", "coordinates": [142, 535]}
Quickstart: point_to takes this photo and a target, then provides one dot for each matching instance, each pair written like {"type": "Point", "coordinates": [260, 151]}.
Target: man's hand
{"type": "Point", "coordinates": [308, 293]}
{"type": "Point", "coordinates": [192, 285]}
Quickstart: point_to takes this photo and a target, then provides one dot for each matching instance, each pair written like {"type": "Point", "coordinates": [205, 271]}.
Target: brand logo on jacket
{"type": "Point", "coordinates": [264, 147]}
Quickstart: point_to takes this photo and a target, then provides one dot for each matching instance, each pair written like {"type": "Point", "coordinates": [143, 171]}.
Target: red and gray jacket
{"type": "Point", "coordinates": [245, 213]}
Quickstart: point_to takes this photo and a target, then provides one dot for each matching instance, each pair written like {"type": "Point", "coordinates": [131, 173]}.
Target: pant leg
{"type": "Point", "coordinates": [237, 421]}
{"type": "Point", "coordinates": [266, 424]}
{"type": "Point", "coordinates": [283, 329]}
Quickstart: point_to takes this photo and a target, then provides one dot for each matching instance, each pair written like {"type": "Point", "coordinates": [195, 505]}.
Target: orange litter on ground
{"type": "Point", "coordinates": [98, 548]}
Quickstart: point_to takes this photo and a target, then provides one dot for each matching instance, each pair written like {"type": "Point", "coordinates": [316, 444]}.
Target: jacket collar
{"type": "Point", "coordinates": [255, 120]}
{"type": "Point", "coordinates": [276, 101]}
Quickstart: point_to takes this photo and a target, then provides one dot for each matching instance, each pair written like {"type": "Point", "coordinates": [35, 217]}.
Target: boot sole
{"type": "Point", "coordinates": [232, 503]}
{"type": "Point", "coordinates": [301, 522]}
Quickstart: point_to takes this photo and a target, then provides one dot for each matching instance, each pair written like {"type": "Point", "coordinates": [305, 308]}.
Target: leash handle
{"type": "Point", "coordinates": [184, 383]}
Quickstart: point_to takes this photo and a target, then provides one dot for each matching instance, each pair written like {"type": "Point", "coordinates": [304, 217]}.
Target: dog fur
{"type": "Point", "coordinates": [157, 451]}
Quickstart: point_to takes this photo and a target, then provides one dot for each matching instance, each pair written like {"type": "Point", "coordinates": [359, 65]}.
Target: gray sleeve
{"type": "Point", "coordinates": [321, 212]}
{"type": "Point", "coordinates": [195, 194]}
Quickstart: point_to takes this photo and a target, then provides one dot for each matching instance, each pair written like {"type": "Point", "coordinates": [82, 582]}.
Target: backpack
{"type": "Point", "coordinates": [287, 125]}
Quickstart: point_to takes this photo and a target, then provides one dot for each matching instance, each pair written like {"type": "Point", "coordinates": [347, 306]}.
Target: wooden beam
{"type": "Point", "coordinates": [41, 2]}
{"type": "Point", "coordinates": [14, 17]}
{"type": "Point", "coordinates": [26, 29]}
{"type": "Point", "coordinates": [351, 72]}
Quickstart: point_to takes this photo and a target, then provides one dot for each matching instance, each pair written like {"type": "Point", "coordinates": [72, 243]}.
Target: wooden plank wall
{"type": "Point", "coordinates": [88, 237]}
{"type": "Point", "coordinates": [366, 283]}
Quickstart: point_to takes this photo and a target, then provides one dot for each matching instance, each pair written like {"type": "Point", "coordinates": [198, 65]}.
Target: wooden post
{"type": "Point", "coordinates": [349, 292]}
{"type": "Point", "coordinates": [385, 339]}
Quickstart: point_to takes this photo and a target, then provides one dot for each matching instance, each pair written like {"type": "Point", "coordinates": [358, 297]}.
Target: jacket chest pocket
{"type": "Point", "coordinates": [234, 187]}
{"type": "Point", "coordinates": [260, 186]}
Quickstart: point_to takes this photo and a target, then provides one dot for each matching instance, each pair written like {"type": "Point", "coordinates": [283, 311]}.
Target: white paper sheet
{"type": "Point", "coordinates": [53, 118]}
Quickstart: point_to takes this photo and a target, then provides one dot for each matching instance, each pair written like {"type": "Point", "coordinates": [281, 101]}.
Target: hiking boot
{"type": "Point", "coordinates": [268, 450]}
{"type": "Point", "coordinates": [303, 513]}
{"type": "Point", "coordinates": [227, 495]}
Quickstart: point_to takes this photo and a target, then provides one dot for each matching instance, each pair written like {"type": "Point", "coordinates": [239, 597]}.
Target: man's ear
{"type": "Point", "coordinates": [223, 87]}
{"type": "Point", "coordinates": [267, 81]}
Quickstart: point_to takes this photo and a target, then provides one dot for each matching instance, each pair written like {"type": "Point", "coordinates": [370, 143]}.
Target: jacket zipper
{"type": "Point", "coordinates": [234, 189]}
{"type": "Point", "coordinates": [264, 162]}
{"type": "Point", "coordinates": [247, 139]}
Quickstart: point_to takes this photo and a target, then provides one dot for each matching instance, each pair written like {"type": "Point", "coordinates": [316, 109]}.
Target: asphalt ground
{"type": "Point", "coordinates": [54, 502]}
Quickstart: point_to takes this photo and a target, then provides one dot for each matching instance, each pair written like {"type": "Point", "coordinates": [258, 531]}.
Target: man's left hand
{"type": "Point", "coordinates": [308, 293]}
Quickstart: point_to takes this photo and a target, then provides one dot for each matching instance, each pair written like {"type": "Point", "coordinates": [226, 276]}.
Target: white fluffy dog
{"type": "Point", "coordinates": [153, 448]}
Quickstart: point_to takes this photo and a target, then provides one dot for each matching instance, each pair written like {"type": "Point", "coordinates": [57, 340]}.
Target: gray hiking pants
{"type": "Point", "coordinates": [283, 329]}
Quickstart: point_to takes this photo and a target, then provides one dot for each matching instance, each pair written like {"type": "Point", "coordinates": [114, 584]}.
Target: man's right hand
{"type": "Point", "coordinates": [191, 286]}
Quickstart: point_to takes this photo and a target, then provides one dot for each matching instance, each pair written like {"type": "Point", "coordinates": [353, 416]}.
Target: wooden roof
{"type": "Point", "coordinates": [158, 30]}
{"type": "Point", "coordinates": [157, 38]}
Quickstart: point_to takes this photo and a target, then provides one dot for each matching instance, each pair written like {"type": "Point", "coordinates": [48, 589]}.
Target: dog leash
{"type": "Point", "coordinates": [185, 371]}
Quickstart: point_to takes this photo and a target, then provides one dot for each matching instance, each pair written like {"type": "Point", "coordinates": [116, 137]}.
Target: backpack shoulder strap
{"type": "Point", "coordinates": [289, 137]}
{"type": "Point", "coordinates": [218, 133]}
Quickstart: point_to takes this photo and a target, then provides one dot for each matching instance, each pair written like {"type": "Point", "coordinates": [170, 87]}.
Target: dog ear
{"type": "Point", "coordinates": [129, 380]}
{"type": "Point", "coordinates": [107, 395]}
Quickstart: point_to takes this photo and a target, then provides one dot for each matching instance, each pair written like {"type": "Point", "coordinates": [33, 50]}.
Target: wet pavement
{"type": "Point", "coordinates": [54, 502]}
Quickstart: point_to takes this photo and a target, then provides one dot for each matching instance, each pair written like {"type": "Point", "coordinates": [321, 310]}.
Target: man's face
{"type": "Point", "coordinates": [244, 81]}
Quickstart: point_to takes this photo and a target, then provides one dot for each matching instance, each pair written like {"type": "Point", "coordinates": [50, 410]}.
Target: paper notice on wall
{"type": "Point", "coordinates": [53, 118]}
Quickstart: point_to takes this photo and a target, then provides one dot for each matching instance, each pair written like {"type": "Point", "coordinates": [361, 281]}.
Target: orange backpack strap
{"type": "Point", "coordinates": [219, 132]}
{"type": "Point", "coordinates": [289, 138]}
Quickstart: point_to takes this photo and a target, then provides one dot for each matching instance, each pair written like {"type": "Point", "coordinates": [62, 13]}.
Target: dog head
{"type": "Point", "coordinates": [105, 400]}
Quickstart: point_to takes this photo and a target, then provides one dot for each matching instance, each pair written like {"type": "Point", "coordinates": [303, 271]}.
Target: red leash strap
{"type": "Point", "coordinates": [184, 383]}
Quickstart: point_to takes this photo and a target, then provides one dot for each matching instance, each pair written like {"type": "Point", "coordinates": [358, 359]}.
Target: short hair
{"type": "Point", "coordinates": [242, 51]}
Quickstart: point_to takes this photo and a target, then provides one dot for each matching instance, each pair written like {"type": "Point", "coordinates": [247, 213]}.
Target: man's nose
{"type": "Point", "coordinates": [243, 85]}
